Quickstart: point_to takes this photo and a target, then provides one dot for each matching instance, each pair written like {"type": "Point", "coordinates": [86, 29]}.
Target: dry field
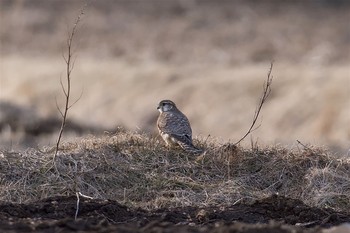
{"type": "Point", "coordinates": [211, 58]}
{"type": "Point", "coordinates": [138, 185]}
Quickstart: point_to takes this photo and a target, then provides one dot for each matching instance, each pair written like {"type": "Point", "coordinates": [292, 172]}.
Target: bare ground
{"type": "Point", "coordinates": [274, 214]}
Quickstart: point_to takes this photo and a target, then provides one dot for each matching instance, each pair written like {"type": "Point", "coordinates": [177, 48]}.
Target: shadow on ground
{"type": "Point", "coordinates": [273, 214]}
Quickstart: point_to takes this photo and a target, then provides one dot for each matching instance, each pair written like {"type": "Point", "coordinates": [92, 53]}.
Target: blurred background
{"type": "Point", "coordinates": [210, 57]}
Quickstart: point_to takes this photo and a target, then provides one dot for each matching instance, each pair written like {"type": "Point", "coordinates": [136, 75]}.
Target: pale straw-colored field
{"type": "Point", "coordinates": [211, 59]}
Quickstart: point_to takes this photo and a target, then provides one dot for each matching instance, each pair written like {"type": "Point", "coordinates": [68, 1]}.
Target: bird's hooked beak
{"type": "Point", "coordinates": [159, 109]}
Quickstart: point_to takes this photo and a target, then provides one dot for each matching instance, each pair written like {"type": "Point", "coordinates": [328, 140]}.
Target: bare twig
{"type": "Point", "coordinates": [81, 94]}
{"type": "Point", "coordinates": [265, 95]}
{"type": "Point", "coordinates": [58, 108]}
{"type": "Point", "coordinates": [78, 195]}
{"type": "Point", "coordinates": [85, 196]}
{"type": "Point", "coordinates": [303, 145]}
{"type": "Point", "coordinates": [69, 68]}
{"type": "Point", "coordinates": [77, 209]}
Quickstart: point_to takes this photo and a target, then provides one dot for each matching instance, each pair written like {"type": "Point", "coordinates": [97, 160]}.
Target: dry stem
{"type": "Point", "coordinates": [265, 95]}
{"type": "Point", "coordinates": [69, 68]}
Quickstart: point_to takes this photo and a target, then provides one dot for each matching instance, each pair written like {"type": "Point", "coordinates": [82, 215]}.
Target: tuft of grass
{"type": "Point", "coordinates": [138, 170]}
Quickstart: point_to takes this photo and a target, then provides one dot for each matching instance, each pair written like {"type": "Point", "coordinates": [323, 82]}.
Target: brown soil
{"type": "Point", "coordinates": [273, 214]}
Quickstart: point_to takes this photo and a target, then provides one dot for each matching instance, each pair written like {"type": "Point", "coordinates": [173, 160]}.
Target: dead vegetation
{"type": "Point", "coordinates": [188, 51]}
{"type": "Point", "coordinates": [139, 171]}
{"type": "Point", "coordinates": [69, 61]}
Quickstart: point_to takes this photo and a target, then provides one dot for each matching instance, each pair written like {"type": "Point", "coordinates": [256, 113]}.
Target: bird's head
{"type": "Point", "coordinates": [166, 105]}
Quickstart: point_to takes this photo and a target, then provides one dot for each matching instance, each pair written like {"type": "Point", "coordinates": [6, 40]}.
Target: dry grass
{"type": "Point", "coordinates": [139, 171]}
{"type": "Point", "coordinates": [211, 59]}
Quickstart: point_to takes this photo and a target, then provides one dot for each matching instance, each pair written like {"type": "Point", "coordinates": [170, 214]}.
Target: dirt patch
{"type": "Point", "coordinates": [273, 214]}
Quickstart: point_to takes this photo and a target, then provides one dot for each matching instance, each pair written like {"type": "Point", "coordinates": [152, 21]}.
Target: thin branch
{"type": "Point", "coordinates": [78, 194]}
{"type": "Point", "coordinates": [85, 196]}
{"type": "Point", "coordinates": [64, 58]}
{"type": "Point", "coordinates": [305, 147]}
{"type": "Point", "coordinates": [58, 108]}
{"type": "Point", "coordinates": [73, 64]}
{"type": "Point", "coordinates": [69, 67]}
{"type": "Point", "coordinates": [77, 209]}
{"type": "Point", "coordinates": [81, 94]}
{"type": "Point", "coordinates": [63, 89]}
{"type": "Point", "coordinates": [265, 95]}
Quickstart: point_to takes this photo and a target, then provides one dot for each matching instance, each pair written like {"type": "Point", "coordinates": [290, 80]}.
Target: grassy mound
{"type": "Point", "coordinates": [140, 171]}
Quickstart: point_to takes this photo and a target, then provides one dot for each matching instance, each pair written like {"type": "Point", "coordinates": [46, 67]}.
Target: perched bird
{"type": "Point", "coordinates": [174, 127]}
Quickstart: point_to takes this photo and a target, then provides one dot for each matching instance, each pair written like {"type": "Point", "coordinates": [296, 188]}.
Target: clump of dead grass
{"type": "Point", "coordinates": [139, 171]}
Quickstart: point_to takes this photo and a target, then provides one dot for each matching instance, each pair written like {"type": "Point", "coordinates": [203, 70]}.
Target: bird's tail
{"type": "Point", "coordinates": [191, 148]}
{"type": "Point", "coordinates": [186, 144]}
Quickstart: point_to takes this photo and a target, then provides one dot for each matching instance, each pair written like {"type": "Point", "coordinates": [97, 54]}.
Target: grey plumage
{"type": "Point", "coordinates": [174, 127]}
